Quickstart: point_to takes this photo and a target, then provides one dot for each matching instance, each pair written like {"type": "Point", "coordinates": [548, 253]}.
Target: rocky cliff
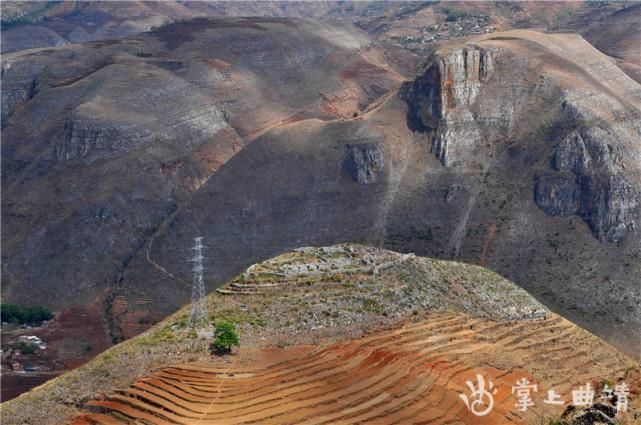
{"type": "Point", "coordinates": [363, 162]}
{"type": "Point", "coordinates": [467, 114]}
{"type": "Point", "coordinates": [588, 181]}
{"type": "Point", "coordinates": [443, 101]}
{"type": "Point", "coordinates": [545, 115]}
{"type": "Point", "coordinates": [518, 151]}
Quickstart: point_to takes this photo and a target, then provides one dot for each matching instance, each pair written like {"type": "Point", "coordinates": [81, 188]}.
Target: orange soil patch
{"type": "Point", "coordinates": [362, 68]}
{"type": "Point", "coordinates": [411, 374]}
{"type": "Point", "coordinates": [218, 64]}
{"type": "Point", "coordinates": [491, 232]}
{"type": "Point", "coordinates": [136, 317]}
{"type": "Point", "coordinates": [74, 323]}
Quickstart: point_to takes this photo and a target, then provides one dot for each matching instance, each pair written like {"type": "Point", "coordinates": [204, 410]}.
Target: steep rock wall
{"type": "Point", "coordinates": [443, 102]}
{"type": "Point", "coordinates": [468, 113]}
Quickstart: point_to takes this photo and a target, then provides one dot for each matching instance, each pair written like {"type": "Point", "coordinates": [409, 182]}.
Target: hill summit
{"type": "Point", "coordinates": [346, 333]}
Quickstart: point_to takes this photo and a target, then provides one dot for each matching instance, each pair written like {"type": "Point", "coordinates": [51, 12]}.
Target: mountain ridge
{"type": "Point", "coordinates": [190, 153]}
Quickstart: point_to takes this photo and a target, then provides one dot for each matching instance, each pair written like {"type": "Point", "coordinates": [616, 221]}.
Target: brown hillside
{"type": "Point", "coordinates": [340, 334]}
{"type": "Point", "coordinates": [516, 150]}
{"type": "Point", "coordinates": [412, 374]}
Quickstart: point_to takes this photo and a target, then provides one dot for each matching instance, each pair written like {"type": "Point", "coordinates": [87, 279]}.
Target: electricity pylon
{"type": "Point", "coordinates": [199, 308]}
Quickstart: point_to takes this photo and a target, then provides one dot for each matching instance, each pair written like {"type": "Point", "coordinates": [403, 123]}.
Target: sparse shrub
{"type": "Point", "coordinates": [182, 322]}
{"type": "Point", "coordinates": [454, 14]}
{"type": "Point", "coordinates": [225, 337]}
{"type": "Point", "coordinates": [355, 114]}
{"type": "Point", "coordinates": [372, 306]}
{"type": "Point", "coordinates": [607, 382]}
{"type": "Point", "coordinates": [27, 348]}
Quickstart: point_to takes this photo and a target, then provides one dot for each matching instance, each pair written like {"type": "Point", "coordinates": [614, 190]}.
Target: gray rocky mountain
{"type": "Point", "coordinates": [520, 151]}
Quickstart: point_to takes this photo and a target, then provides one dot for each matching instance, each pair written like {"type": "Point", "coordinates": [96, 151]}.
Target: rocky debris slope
{"type": "Point", "coordinates": [425, 285]}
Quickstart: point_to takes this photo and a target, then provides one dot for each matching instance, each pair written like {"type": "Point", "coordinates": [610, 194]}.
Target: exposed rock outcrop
{"type": "Point", "coordinates": [557, 194]}
{"type": "Point", "coordinates": [85, 138]}
{"type": "Point", "coordinates": [442, 102]}
{"type": "Point", "coordinates": [363, 162]}
{"type": "Point", "coordinates": [571, 155]}
{"type": "Point", "coordinates": [467, 115]}
{"type": "Point", "coordinates": [17, 91]}
{"type": "Point", "coordinates": [588, 181]}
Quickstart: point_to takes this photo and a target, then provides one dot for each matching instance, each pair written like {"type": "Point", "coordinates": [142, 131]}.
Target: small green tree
{"type": "Point", "coordinates": [225, 337]}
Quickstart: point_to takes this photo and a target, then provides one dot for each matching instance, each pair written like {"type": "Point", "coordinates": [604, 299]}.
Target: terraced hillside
{"type": "Point", "coordinates": [341, 334]}
{"type": "Point", "coordinates": [412, 374]}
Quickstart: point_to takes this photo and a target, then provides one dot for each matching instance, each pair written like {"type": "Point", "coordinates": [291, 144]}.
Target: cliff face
{"type": "Point", "coordinates": [544, 134]}
{"type": "Point", "coordinates": [588, 180]}
{"type": "Point", "coordinates": [455, 102]}
{"type": "Point", "coordinates": [443, 102]}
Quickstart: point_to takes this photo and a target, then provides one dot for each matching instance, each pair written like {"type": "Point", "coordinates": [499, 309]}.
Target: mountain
{"type": "Point", "coordinates": [29, 25]}
{"type": "Point", "coordinates": [515, 150]}
{"type": "Point", "coordinates": [343, 333]}
{"type": "Point", "coordinates": [418, 26]}
{"type": "Point", "coordinates": [483, 157]}
{"type": "Point", "coordinates": [615, 35]}
{"type": "Point", "coordinates": [105, 142]}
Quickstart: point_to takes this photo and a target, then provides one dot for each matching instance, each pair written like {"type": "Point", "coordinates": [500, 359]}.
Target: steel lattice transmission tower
{"type": "Point", "coordinates": [199, 308]}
